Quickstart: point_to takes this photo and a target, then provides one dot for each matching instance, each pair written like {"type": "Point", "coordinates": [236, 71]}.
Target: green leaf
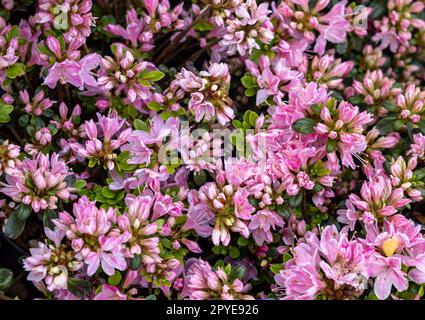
{"type": "Point", "coordinates": [330, 145]}
{"type": "Point", "coordinates": [140, 125]}
{"type": "Point", "coordinates": [23, 211]}
{"type": "Point", "coordinates": [253, 118]}
{"type": "Point", "coordinates": [283, 211]}
{"type": "Point", "coordinates": [30, 129]}
{"type": "Point", "coordinates": [48, 216]}
{"type": "Point", "coordinates": [80, 184]}
{"type": "Point", "coordinates": [319, 169]}
{"type": "Point", "coordinates": [200, 178]}
{"type": "Point", "coordinates": [317, 187]}
{"type": "Point", "coordinates": [243, 241]}
{"type": "Point", "coordinates": [237, 272]}
{"type": "Point", "coordinates": [228, 268]}
{"type": "Point", "coordinates": [390, 106]}
{"type": "Point", "coordinates": [114, 48]}
{"type": "Point", "coordinates": [248, 81]}
{"type": "Point", "coordinates": [166, 243]}
{"type": "Point", "coordinates": [14, 226]}
{"type": "Point", "coordinates": [132, 111]}
{"type": "Point", "coordinates": [421, 126]}
{"type": "Point", "coordinates": [398, 124]}
{"type": "Point", "coordinates": [355, 100]}
{"type": "Point", "coordinates": [275, 268]}
{"type": "Point", "coordinates": [6, 279]}
{"type": "Point", "coordinates": [216, 250]}
{"type": "Point", "coordinates": [155, 106]}
{"type": "Point", "coordinates": [246, 116]}
{"type": "Point", "coordinates": [154, 76]}
{"type": "Point", "coordinates": [237, 124]}
{"type": "Point", "coordinates": [386, 125]}
{"type": "Point", "coordinates": [15, 70]}
{"type": "Point", "coordinates": [23, 120]}
{"type": "Point", "coordinates": [12, 33]}
{"type": "Point", "coordinates": [6, 109]}
{"type": "Point", "coordinates": [135, 262]}
{"type": "Point", "coordinates": [234, 252]}
{"type": "Point", "coordinates": [107, 193]}
{"type": "Point", "coordinates": [115, 279]}
{"type": "Point", "coordinates": [286, 257]}
{"type": "Point", "coordinates": [371, 296]}
{"type": "Point", "coordinates": [296, 201]}
{"type": "Point", "coordinates": [341, 48]}
{"type": "Point", "coordinates": [92, 162]}
{"type": "Point", "coordinates": [44, 50]}
{"type": "Point", "coordinates": [304, 125]}
{"type": "Point", "coordinates": [250, 92]}
{"type": "Point", "coordinates": [80, 288]}
{"type": "Point", "coordinates": [317, 108]}
{"type": "Point", "coordinates": [38, 122]}
{"type": "Point", "coordinates": [203, 26]}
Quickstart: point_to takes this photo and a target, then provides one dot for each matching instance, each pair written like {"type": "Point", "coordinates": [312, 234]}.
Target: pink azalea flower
{"type": "Point", "coordinates": [110, 293]}
{"type": "Point", "coordinates": [417, 148]}
{"type": "Point", "coordinates": [388, 273]}
{"type": "Point", "coordinates": [209, 91]}
{"type": "Point", "coordinates": [333, 266]}
{"type": "Point", "coordinates": [38, 104]}
{"type": "Point", "coordinates": [9, 154]}
{"type": "Point", "coordinates": [39, 182]}
{"type": "Point", "coordinates": [202, 283]}
{"type": "Point", "coordinates": [76, 73]}
{"type": "Point", "coordinates": [92, 238]}
{"type": "Point", "coordinates": [73, 16]}
{"type": "Point", "coordinates": [273, 78]}
{"type": "Point", "coordinates": [102, 150]}
{"type": "Point", "coordinates": [121, 74]}
{"type": "Point", "coordinates": [378, 199]}
{"type": "Point", "coordinates": [261, 225]}
{"type": "Point", "coordinates": [346, 125]}
{"type": "Point", "coordinates": [301, 20]}
{"type": "Point", "coordinates": [251, 22]}
{"type": "Point", "coordinates": [43, 263]}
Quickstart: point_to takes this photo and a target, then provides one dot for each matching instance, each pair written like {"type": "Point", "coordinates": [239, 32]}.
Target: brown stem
{"type": "Point", "coordinates": [16, 135]}
{"type": "Point", "coordinates": [169, 57]}
{"type": "Point", "coordinates": [195, 56]}
{"type": "Point", "coordinates": [27, 79]}
{"type": "Point", "coordinates": [182, 34]}
{"type": "Point", "coordinates": [68, 95]}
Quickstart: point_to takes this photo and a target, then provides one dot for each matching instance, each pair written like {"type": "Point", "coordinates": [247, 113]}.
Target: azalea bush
{"type": "Point", "coordinates": [212, 149]}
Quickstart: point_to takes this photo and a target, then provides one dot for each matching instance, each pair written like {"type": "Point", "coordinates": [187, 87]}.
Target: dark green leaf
{"type": "Point", "coordinates": [80, 288]}
{"type": "Point", "coordinates": [14, 226]}
{"type": "Point", "coordinates": [48, 216]}
{"type": "Point", "coordinates": [23, 211]}
{"type": "Point", "coordinates": [237, 272]}
{"type": "Point", "coordinates": [135, 262]}
{"type": "Point", "coordinates": [390, 106]}
{"type": "Point", "coordinates": [295, 201]}
{"type": "Point", "coordinates": [6, 279]}
{"type": "Point", "coordinates": [386, 125]}
{"type": "Point", "coordinates": [234, 252]}
{"type": "Point", "coordinates": [23, 120]}
{"type": "Point", "coordinates": [304, 125]}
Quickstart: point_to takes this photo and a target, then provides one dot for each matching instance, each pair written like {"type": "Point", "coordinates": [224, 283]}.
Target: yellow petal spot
{"type": "Point", "coordinates": [390, 245]}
